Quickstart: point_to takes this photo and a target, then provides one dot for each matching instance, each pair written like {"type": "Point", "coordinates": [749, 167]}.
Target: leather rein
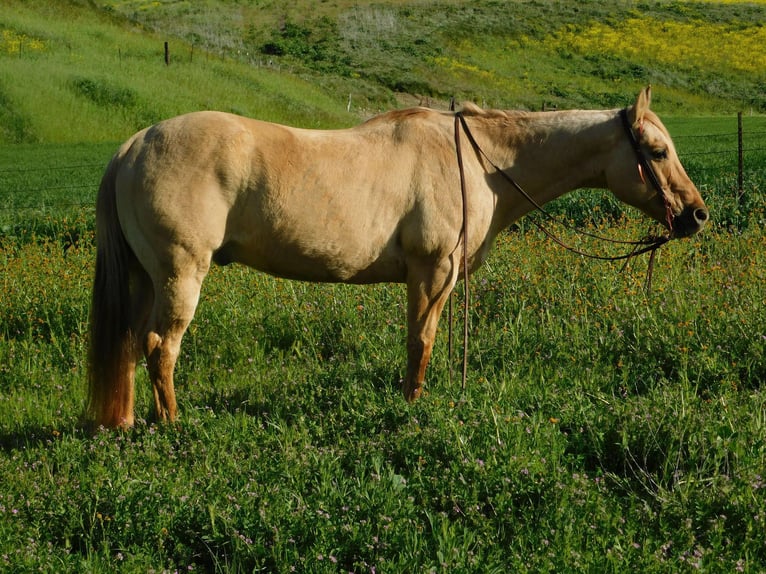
{"type": "Point", "coordinates": [648, 244]}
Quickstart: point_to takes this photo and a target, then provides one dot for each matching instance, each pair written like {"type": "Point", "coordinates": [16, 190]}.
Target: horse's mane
{"type": "Point", "coordinates": [469, 109]}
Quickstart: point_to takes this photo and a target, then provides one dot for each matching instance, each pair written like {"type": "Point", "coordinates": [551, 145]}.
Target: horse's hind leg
{"type": "Point", "coordinates": [428, 287]}
{"type": "Point", "coordinates": [175, 301]}
{"type": "Point", "coordinates": [141, 305]}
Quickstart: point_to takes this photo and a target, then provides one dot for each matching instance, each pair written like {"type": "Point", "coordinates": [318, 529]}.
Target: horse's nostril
{"type": "Point", "coordinates": [701, 215]}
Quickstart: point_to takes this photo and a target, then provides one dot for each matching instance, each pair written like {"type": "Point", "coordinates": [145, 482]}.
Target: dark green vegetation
{"type": "Point", "coordinates": [602, 429]}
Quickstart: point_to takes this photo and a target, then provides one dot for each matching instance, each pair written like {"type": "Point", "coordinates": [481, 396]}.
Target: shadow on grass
{"type": "Point", "coordinates": [36, 436]}
{"type": "Point", "coordinates": [324, 390]}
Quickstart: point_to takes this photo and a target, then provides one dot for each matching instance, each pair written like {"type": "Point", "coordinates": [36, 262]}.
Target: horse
{"type": "Point", "coordinates": [379, 202]}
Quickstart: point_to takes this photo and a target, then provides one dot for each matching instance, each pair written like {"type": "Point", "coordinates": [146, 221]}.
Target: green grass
{"type": "Point", "coordinates": [94, 71]}
{"type": "Point", "coordinates": [600, 430]}
{"type": "Point", "coordinates": [507, 54]}
{"type": "Point", "coordinates": [87, 79]}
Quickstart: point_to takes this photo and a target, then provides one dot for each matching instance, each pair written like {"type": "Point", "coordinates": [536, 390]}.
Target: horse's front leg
{"type": "Point", "coordinates": [428, 287]}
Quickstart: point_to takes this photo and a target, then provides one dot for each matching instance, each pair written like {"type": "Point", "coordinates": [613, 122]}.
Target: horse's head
{"type": "Point", "coordinates": [647, 173]}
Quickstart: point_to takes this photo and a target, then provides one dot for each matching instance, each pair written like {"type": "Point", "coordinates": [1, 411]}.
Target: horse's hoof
{"type": "Point", "coordinates": [411, 394]}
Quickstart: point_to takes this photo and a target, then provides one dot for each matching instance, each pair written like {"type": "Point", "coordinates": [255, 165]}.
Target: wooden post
{"type": "Point", "coordinates": [741, 160]}
{"type": "Point", "coordinates": [167, 54]}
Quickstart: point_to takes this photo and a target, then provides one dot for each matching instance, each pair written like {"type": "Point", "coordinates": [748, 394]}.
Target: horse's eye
{"type": "Point", "coordinates": [660, 154]}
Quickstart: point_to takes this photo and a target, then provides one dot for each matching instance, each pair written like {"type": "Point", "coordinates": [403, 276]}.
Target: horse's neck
{"type": "Point", "coordinates": [549, 154]}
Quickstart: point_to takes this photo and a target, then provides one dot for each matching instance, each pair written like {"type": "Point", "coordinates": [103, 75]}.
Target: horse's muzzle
{"type": "Point", "coordinates": [690, 221]}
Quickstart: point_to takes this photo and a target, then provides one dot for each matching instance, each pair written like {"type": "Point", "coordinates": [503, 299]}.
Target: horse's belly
{"type": "Point", "coordinates": [322, 263]}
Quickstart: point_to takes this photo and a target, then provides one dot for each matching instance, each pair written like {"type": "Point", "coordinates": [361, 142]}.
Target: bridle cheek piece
{"type": "Point", "coordinates": [644, 167]}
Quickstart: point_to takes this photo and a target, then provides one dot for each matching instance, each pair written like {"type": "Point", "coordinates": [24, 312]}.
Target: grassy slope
{"type": "Point", "coordinates": [86, 78]}
{"type": "Point", "coordinates": [508, 54]}
{"type": "Point", "coordinates": [89, 75]}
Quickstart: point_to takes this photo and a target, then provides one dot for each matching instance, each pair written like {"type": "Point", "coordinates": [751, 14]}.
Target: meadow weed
{"type": "Point", "coordinates": [600, 427]}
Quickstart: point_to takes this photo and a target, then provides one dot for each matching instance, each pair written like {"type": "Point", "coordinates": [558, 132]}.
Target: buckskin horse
{"type": "Point", "coordinates": [380, 202]}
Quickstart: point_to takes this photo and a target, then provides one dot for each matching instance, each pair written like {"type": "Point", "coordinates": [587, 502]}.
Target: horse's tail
{"type": "Point", "coordinates": [112, 342]}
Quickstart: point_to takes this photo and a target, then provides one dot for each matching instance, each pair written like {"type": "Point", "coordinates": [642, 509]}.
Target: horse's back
{"type": "Point", "coordinates": [326, 205]}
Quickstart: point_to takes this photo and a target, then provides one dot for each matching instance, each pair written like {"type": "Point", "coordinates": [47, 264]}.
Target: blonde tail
{"type": "Point", "coordinates": [111, 357]}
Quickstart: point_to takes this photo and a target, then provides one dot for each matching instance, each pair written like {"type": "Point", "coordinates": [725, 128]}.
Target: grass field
{"type": "Point", "coordinates": [603, 429]}
{"type": "Point", "coordinates": [600, 430]}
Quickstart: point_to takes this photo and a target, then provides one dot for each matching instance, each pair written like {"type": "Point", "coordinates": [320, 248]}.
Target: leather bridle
{"type": "Point", "coordinates": [648, 244]}
{"type": "Point", "coordinates": [644, 245]}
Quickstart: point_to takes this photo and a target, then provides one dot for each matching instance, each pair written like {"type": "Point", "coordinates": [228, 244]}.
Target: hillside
{"type": "Point", "coordinates": [94, 70]}
{"type": "Point", "coordinates": [509, 54]}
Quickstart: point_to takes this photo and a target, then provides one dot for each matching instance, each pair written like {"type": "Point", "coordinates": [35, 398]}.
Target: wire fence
{"type": "Point", "coordinates": [61, 187]}
{"type": "Point", "coordinates": [58, 185]}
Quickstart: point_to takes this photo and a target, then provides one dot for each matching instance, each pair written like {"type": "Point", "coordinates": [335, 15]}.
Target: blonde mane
{"type": "Point", "coordinates": [472, 110]}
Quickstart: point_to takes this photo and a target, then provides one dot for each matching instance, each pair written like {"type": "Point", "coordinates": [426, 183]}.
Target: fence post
{"type": "Point", "coordinates": [167, 54]}
{"type": "Point", "coordinates": [741, 160]}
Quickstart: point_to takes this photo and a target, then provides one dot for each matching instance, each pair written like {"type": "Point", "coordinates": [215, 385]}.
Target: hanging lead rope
{"type": "Point", "coordinates": [465, 256]}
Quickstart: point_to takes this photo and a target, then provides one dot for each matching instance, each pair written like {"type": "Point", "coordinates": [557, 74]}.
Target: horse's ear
{"type": "Point", "coordinates": [641, 106]}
